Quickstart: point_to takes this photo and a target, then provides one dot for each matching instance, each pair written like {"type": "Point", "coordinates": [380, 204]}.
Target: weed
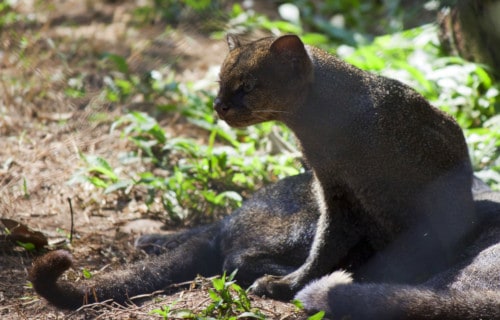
{"type": "Point", "coordinates": [75, 88]}
{"type": "Point", "coordinates": [28, 246]}
{"type": "Point", "coordinates": [26, 193]}
{"type": "Point", "coordinates": [168, 312]}
{"type": "Point", "coordinates": [97, 172]}
{"type": "Point", "coordinates": [63, 233]}
{"type": "Point", "coordinates": [7, 15]}
{"type": "Point", "coordinates": [228, 301]}
{"type": "Point", "coordinates": [317, 316]}
{"type": "Point", "coordinates": [86, 274]}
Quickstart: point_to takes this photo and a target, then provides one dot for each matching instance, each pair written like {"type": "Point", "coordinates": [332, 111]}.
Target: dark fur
{"type": "Point", "coordinates": [247, 240]}
{"type": "Point", "coordinates": [468, 290]}
{"type": "Point", "coordinates": [390, 170]}
{"type": "Point", "coordinates": [270, 234]}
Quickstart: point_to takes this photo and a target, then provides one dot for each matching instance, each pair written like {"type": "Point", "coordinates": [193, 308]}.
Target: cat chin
{"type": "Point", "coordinates": [238, 123]}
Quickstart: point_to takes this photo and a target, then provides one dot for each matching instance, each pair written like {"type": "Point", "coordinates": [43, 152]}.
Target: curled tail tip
{"type": "Point", "coordinates": [50, 266]}
{"type": "Point", "coordinates": [44, 276]}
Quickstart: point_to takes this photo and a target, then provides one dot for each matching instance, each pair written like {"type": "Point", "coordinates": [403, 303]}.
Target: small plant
{"type": "Point", "coordinates": [75, 88]}
{"type": "Point", "coordinates": [63, 233]}
{"type": "Point", "coordinates": [168, 312]}
{"type": "Point", "coordinates": [228, 302]}
{"type": "Point", "coordinates": [28, 246]}
{"type": "Point", "coordinates": [97, 171]}
{"type": "Point", "coordinates": [7, 15]}
{"type": "Point", "coordinates": [119, 84]}
{"type": "Point", "coordinates": [26, 193]}
{"type": "Point", "coordinates": [317, 316]}
{"type": "Point", "coordinates": [86, 273]}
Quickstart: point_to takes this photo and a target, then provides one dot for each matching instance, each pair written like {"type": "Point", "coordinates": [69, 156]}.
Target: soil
{"type": "Point", "coordinates": [43, 131]}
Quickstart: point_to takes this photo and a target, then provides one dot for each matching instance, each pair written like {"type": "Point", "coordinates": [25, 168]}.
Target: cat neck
{"type": "Point", "coordinates": [337, 105]}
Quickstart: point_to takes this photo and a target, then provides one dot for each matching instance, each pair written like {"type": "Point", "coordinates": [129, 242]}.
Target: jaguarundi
{"type": "Point", "coordinates": [391, 210]}
{"type": "Point", "coordinates": [270, 234]}
{"type": "Point", "coordinates": [373, 143]}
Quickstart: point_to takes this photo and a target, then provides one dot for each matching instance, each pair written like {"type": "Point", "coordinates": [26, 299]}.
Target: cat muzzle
{"type": "Point", "coordinates": [220, 108]}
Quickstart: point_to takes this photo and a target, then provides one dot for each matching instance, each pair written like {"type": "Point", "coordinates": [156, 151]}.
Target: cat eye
{"type": "Point", "coordinates": [248, 86]}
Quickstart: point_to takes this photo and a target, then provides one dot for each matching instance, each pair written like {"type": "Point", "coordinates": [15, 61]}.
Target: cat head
{"type": "Point", "coordinates": [263, 80]}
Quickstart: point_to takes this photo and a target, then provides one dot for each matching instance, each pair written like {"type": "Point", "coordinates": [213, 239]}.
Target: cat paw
{"type": "Point", "coordinates": [280, 288]}
{"type": "Point", "coordinates": [315, 295]}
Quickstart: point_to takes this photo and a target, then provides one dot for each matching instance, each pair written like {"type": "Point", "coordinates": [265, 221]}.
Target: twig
{"type": "Point", "coordinates": [24, 303]}
{"type": "Point", "coordinates": [189, 282]}
{"type": "Point", "coordinates": [94, 304]}
{"type": "Point", "coordinates": [146, 295]}
{"type": "Point", "coordinates": [72, 220]}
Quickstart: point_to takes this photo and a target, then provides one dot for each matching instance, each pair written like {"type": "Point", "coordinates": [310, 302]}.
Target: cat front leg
{"type": "Point", "coordinates": [333, 239]}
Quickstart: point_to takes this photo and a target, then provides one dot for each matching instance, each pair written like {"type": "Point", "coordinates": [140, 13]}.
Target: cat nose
{"type": "Point", "coordinates": [220, 107]}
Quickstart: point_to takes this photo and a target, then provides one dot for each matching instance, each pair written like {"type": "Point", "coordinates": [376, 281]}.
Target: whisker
{"type": "Point", "coordinates": [269, 111]}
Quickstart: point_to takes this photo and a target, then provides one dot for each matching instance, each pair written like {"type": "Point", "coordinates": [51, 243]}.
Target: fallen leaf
{"type": "Point", "coordinates": [19, 232]}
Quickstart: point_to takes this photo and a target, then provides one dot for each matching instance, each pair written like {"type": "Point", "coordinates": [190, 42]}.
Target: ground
{"type": "Point", "coordinates": [43, 130]}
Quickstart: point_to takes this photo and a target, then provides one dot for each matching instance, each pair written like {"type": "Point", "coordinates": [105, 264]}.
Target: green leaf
{"type": "Point", "coordinates": [86, 273]}
{"type": "Point", "coordinates": [100, 165]}
{"type": "Point", "coordinates": [104, 171]}
{"type": "Point", "coordinates": [119, 61]}
{"type": "Point", "coordinates": [28, 246]}
{"type": "Point", "coordinates": [218, 284]}
{"type": "Point", "coordinates": [314, 39]}
{"type": "Point", "coordinates": [317, 316]}
{"type": "Point", "coordinates": [297, 303]}
{"type": "Point", "coordinates": [228, 195]}
{"type": "Point", "coordinates": [237, 9]}
{"type": "Point", "coordinates": [283, 26]}
{"type": "Point", "coordinates": [214, 296]}
{"type": "Point", "coordinates": [97, 182]}
{"type": "Point", "coordinates": [484, 77]}
{"type": "Point", "coordinates": [232, 275]}
{"type": "Point", "coordinates": [119, 185]}
{"type": "Point", "coordinates": [198, 4]}
{"type": "Point", "coordinates": [181, 314]}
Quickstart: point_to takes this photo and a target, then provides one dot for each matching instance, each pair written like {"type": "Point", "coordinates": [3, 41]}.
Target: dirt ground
{"type": "Point", "coordinates": [42, 131]}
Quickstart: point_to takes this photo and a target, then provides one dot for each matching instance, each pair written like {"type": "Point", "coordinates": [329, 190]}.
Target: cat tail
{"type": "Point", "coordinates": [341, 299]}
{"type": "Point", "coordinates": [197, 254]}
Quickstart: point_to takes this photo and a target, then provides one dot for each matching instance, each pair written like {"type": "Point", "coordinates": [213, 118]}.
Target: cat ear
{"type": "Point", "coordinates": [232, 42]}
{"type": "Point", "coordinates": [288, 45]}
